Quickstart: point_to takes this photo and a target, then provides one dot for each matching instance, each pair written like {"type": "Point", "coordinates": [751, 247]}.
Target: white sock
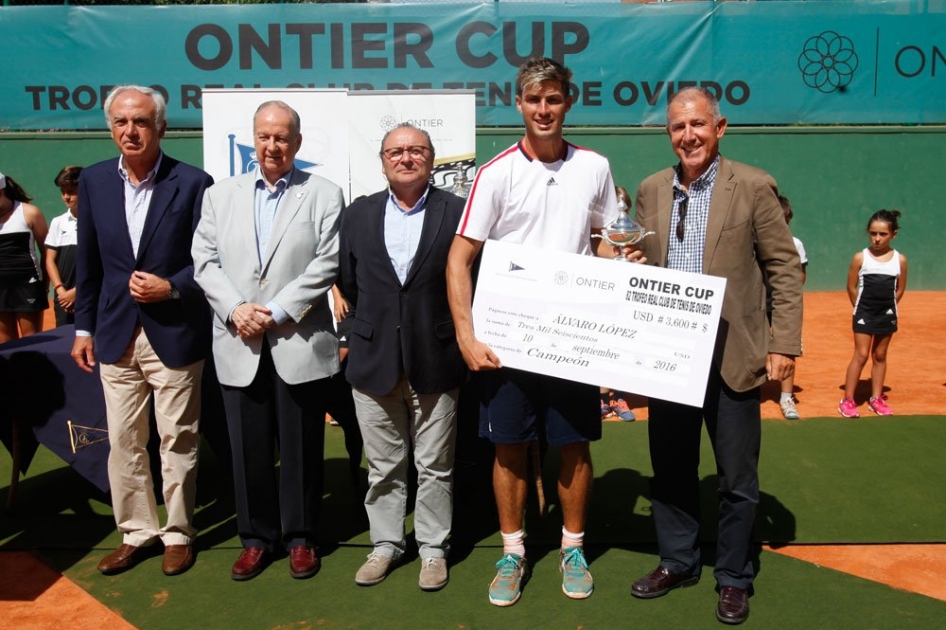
{"type": "Point", "coordinates": [514, 543]}
{"type": "Point", "coordinates": [572, 540]}
{"type": "Point", "coordinates": [785, 396]}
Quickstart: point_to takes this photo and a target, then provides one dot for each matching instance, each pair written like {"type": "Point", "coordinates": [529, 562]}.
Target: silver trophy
{"type": "Point", "coordinates": [623, 230]}
{"type": "Point", "coordinates": [461, 187]}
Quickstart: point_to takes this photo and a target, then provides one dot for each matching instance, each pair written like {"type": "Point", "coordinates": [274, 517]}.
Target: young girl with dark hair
{"type": "Point", "coordinates": [876, 281]}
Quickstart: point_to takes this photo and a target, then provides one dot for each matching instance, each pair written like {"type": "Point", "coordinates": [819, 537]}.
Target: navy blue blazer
{"type": "Point", "coordinates": [179, 330]}
{"type": "Point", "coordinates": [400, 329]}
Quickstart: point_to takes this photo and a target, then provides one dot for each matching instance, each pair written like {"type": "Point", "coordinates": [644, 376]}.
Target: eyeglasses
{"type": "Point", "coordinates": [396, 153]}
{"type": "Point", "coordinates": [682, 221]}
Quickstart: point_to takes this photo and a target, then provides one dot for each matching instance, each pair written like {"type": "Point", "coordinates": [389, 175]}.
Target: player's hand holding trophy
{"type": "Point", "coordinates": [623, 230]}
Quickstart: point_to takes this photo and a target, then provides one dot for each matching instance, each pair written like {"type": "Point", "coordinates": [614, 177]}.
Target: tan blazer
{"type": "Point", "coordinates": [745, 233]}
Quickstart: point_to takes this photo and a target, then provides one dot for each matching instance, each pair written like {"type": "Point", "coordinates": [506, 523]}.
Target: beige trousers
{"type": "Point", "coordinates": [394, 426]}
{"type": "Point", "coordinates": [128, 386]}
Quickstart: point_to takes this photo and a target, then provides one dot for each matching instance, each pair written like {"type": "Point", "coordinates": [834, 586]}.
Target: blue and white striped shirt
{"type": "Point", "coordinates": [687, 255]}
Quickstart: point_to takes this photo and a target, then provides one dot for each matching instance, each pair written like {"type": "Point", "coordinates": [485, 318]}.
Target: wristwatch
{"type": "Point", "coordinates": [173, 294]}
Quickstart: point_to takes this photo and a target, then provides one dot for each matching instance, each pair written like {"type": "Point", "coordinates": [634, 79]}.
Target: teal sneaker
{"type": "Point", "coordinates": [512, 572]}
{"type": "Point", "coordinates": [577, 582]}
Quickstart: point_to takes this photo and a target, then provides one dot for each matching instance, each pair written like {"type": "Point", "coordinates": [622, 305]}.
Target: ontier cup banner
{"type": "Point", "coordinates": [769, 63]}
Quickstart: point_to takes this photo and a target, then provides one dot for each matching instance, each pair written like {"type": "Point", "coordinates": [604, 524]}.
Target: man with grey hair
{"type": "Point", "coordinates": [266, 254]}
{"type": "Point", "coordinates": [719, 217]}
{"type": "Point", "coordinates": [403, 360]}
{"type": "Point", "coordinates": [143, 320]}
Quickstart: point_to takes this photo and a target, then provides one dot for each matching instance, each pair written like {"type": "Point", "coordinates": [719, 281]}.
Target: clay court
{"type": "Point", "coordinates": [916, 385]}
{"type": "Point", "coordinates": [915, 379]}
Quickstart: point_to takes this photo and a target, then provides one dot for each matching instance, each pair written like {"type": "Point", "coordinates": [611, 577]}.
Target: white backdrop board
{"type": "Point", "coordinates": [449, 116]}
{"type": "Point", "coordinates": [342, 132]}
{"type": "Point", "coordinates": [228, 131]}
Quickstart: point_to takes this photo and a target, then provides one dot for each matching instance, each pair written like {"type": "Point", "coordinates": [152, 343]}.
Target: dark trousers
{"type": "Point", "coordinates": [277, 508]}
{"type": "Point", "coordinates": [734, 427]}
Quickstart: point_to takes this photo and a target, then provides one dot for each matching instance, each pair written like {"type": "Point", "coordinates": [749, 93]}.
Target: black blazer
{"type": "Point", "coordinates": [400, 329]}
{"type": "Point", "coordinates": [179, 330]}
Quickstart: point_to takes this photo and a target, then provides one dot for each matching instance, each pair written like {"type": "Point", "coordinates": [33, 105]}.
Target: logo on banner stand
{"type": "Point", "coordinates": [243, 159]}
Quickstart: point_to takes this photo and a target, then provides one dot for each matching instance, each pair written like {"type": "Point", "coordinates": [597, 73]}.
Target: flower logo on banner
{"type": "Point", "coordinates": [387, 123]}
{"type": "Point", "coordinates": [828, 62]}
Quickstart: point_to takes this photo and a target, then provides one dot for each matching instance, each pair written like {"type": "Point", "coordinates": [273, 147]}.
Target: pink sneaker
{"type": "Point", "coordinates": [622, 409]}
{"type": "Point", "coordinates": [848, 408]}
{"type": "Point", "coordinates": [880, 406]}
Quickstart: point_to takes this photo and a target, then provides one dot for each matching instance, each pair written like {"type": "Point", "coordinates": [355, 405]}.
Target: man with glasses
{"type": "Point", "coordinates": [403, 361]}
{"type": "Point", "coordinates": [722, 218]}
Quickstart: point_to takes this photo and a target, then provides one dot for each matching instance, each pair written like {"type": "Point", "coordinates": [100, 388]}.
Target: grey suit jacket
{"type": "Point", "coordinates": [296, 273]}
{"type": "Point", "coordinates": [745, 233]}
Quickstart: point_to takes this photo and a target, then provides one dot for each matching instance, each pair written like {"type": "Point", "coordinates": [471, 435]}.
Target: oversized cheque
{"type": "Point", "coordinates": [631, 327]}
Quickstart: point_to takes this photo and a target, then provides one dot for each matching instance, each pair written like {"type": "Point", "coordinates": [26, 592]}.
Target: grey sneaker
{"type": "Point", "coordinates": [433, 574]}
{"type": "Point", "coordinates": [374, 570]}
{"type": "Point", "coordinates": [788, 409]}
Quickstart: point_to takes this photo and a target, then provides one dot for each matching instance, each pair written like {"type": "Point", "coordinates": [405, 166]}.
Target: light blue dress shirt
{"type": "Point", "coordinates": [402, 230]}
{"type": "Point", "coordinates": [266, 204]}
{"type": "Point", "coordinates": [137, 201]}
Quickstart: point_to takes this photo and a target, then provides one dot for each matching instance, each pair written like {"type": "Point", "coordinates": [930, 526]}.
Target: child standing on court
{"type": "Point", "coordinates": [61, 247]}
{"type": "Point", "coordinates": [875, 283]}
{"type": "Point", "coordinates": [787, 386]}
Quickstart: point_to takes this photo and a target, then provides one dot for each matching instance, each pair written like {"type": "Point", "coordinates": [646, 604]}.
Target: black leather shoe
{"type": "Point", "coordinates": [661, 581]}
{"type": "Point", "coordinates": [733, 607]}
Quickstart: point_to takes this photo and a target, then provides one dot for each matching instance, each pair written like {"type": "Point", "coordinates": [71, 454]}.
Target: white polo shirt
{"type": "Point", "coordinates": [62, 231]}
{"type": "Point", "coordinates": [516, 198]}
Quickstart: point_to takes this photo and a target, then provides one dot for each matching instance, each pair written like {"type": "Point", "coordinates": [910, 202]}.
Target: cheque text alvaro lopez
{"type": "Point", "coordinates": [573, 329]}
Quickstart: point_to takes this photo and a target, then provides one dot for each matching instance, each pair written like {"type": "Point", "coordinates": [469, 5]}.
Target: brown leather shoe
{"type": "Point", "coordinates": [733, 607]}
{"type": "Point", "coordinates": [251, 563]}
{"type": "Point", "coordinates": [303, 562]}
{"type": "Point", "coordinates": [177, 559]}
{"type": "Point", "coordinates": [122, 559]}
{"type": "Point", "coordinates": [661, 581]}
